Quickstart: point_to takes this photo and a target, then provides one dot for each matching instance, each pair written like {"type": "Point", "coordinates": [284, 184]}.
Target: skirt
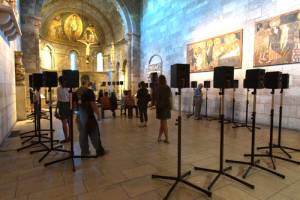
{"type": "Point", "coordinates": [163, 114]}
{"type": "Point", "coordinates": [64, 110]}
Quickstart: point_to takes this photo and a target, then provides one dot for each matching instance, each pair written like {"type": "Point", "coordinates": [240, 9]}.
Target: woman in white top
{"type": "Point", "coordinates": [63, 106]}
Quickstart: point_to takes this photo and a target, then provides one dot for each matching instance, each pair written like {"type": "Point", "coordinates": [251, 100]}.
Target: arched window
{"type": "Point", "coordinates": [47, 58]}
{"type": "Point", "coordinates": [99, 62]}
{"type": "Point", "coordinates": [73, 60]}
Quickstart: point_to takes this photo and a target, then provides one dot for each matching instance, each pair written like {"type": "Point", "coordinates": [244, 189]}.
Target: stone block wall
{"type": "Point", "coordinates": [168, 26]}
{"type": "Point", "coordinates": [8, 115]}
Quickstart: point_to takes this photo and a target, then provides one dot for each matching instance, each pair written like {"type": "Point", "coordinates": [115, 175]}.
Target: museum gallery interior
{"type": "Point", "coordinates": [150, 99]}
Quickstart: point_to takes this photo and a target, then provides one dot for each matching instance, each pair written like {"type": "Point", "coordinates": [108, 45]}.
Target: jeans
{"type": "Point", "coordinates": [89, 128]}
{"type": "Point", "coordinates": [198, 104]}
{"type": "Point", "coordinates": [143, 113]}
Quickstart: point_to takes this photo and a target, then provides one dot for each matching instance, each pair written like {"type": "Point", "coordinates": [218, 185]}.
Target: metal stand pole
{"type": "Point", "coordinates": [222, 170]}
{"type": "Point", "coordinates": [180, 177]}
{"type": "Point", "coordinates": [254, 164]}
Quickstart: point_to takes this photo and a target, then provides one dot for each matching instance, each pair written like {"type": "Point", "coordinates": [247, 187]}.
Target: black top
{"type": "Point", "coordinates": [143, 97]}
{"type": "Point", "coordinates": [163, 97]}
{"type": "Point", "coordinates": [113, 102]}
{"type": "Point", "coordinates": [87, 97]}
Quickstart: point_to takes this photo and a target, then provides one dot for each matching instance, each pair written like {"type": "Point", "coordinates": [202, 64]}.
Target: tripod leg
{"type": "Point", "coordinates": [196, 187]}
{"type": "Point", "coordinates": [239, 180]}
{"type": "Point", "coordinates": [288, 160]}
{"type": "Point", "coordinates": [286, 153]}
{"type": "Point", "coordinates": [44, 156]}
{"type": "Point", "coordinates": [268, 170]}
{"type": "Point", "coordinates": [273, 163]}
{"type": "Point", "coordinates": [164, 177]}
{"type": "Point", "coordinates": [170, 190]}
{"type": "Point", "coordinates": [247, 172]}
{"type": "Point", "coordinates": [213, 182]}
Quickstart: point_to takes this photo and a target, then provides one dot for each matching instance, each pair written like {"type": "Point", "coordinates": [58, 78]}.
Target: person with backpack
{"type": "Point", "coordinates": [143, 98]}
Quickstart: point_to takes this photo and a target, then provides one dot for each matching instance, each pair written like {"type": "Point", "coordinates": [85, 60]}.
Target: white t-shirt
{"type": "Point", "coordinates": [63, 94]}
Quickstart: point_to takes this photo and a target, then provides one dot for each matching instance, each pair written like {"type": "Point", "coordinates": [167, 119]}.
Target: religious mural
{"type": "Point", "coordinates": [277, 40]}
{"type": "Point", "coordinates": [225, 50]}
{"type": "Point", "coordinates": [73, 27]}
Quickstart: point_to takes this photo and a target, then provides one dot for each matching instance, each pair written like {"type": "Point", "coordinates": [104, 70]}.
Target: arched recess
{"type": "Point", "coordinates": [35, 12]}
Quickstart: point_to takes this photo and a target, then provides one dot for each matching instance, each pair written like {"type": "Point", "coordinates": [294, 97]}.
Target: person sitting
{"type": "Point", "coordinates": [113, 103]}
{"type": "Point", "coordinates": [105, 103]}
{"type": "Point", "coordinates": [129, 102]}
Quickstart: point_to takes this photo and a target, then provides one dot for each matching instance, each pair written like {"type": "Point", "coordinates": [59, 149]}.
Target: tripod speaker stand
{"type": "Point", "coordinates": [177, 82]}
{"type": "Point", "coordinates": [194, 86]}
{"type": "Point", "coordinates": [254, 163]}
{"type": "Point", "coordinates": [246, 125]}
{"type": "Point", "coordinates": [223, 77]}
{"type": "Point", "coordinates": [37, 83]}
{"type": "Point", "coordinates": [71, 78]}
{"type": "Point", "coordinates": [285, 85]}
{"type": "Point", "coordinates": [235, 85]}
{"type": "Point", "coordinates": [272, 81]}
{"type": "Point", "coordinates": [50, 80]}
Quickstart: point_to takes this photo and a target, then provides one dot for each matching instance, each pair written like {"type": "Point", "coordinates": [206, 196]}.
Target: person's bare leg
{"type": "Point", "coordinates": [160, 131]}
{"type": "Point", "coordinates": [166, 131]}
{"type": "Point", "coordinates": [66, 129]}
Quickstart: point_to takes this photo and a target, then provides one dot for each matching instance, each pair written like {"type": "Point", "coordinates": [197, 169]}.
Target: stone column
{"type": "Point", "coordinates": [30, 40]}
{"type": "Point", "coordinates": [20, 86]}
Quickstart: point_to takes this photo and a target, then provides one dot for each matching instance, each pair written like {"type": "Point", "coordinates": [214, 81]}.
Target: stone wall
{"type": "Point", "coordinates": [8, 115]}
{"type": "Point", "coordinates": [168, 26]}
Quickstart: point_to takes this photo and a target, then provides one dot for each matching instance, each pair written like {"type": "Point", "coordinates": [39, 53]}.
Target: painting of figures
{"type": "Point", "coordinates": [277, 40]}
{"type": "Point", "coordinates": [225, 50]}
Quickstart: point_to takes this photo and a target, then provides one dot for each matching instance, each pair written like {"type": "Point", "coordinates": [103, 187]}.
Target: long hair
{"type": "Point", "coordinates": [162, 80]}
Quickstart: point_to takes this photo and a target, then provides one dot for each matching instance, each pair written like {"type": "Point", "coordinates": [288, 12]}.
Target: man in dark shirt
{"type": "Point", "coordinates": [88, 126]}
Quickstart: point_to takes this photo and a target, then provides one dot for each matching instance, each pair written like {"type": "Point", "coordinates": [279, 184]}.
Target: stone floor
{"type": "Point", "coordinates": [125, 172]}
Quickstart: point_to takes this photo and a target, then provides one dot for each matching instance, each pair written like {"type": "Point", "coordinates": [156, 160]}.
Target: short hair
{"type": "Point", "coordinates": [85, 79]}
{"type": "Point", "coordinates": [162, 80]}
{"type": "Point", "coordinates": [61, 80]}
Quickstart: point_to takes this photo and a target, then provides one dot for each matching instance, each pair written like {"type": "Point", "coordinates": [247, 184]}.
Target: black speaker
{"type": "Point", "coordinates": [285, 81]}
{"type": "Point", "coordinates": [273, 80]}
{"type": "Point", "coordinates": [103, 84]}
{"type": "Point", "coordinates": [121, 83]}
{"type": "Point", "coordinates": [37, 80]}
{"type": "Point", "coordinates": [118, 82]}
{"type": "Point", "coordinates": [223, 77]}
{"type": "Point", "coordinates": [235, 83]}
{"type": "Point", "coordinates": [255, 78]}
{"type": "Point", "coordinates": [194, 84]}
{"type": "Point", "coordinates": [206, 84]}
{"type": "Point", "coordinates": [50, 79]}
{"type": "Point", "coordinates": [71, 78]}
{"type": "Point", "coordinates": [113, 83]}
{"type": "Point", "coordinates": [109, 83]}
{"type": "Point", "coordinates": [245, 84]}
{"type": "Point", "coordinates": [30, 80]}
{"type": "Point", "coordinates": [180, 76]}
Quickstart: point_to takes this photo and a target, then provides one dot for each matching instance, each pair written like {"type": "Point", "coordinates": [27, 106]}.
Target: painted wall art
{"type": "Point", "coordinates": [277, 40]}
{"type": "Point", "coordinates": [224, 50]}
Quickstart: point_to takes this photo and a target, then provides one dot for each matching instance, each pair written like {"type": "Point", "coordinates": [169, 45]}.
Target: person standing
{"type": "Point", "coordinates": [198, 101]}
{"type": "Point", "coordinates": [63, 107]}
{"type": "Point", "coordinates": [113, 103]}
{"type": "Point", "coordinates": [143, 98]}
{"type": "Point", "coordinates": [163, 107]}
{"type": "Point", "coordinates": [88, 126]}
